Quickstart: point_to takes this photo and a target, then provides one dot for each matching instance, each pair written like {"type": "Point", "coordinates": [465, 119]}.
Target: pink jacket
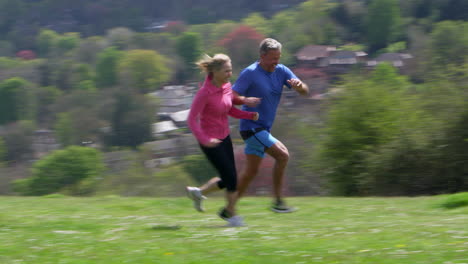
{"type": "Point", "coordinates": [208, 117]}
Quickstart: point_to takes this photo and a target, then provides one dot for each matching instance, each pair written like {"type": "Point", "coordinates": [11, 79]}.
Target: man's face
{"type": "Point", "coordinates": [270, 59]}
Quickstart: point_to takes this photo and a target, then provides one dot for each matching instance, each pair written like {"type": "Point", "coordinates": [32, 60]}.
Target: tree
{"type": "Point", "coordinates": [383, 23]}
{"type": "Point", "coordinates": [449, 43]}
{"type": "Point", "coordinates": [61, 169]}
{"type": "Point", "coordinates": [3, 151]}
{"type": "Point", "coordinates": [143, 70]}
{"type": "Point", "coordinates": [89, 48]}
{"type": "Point", "coordinates": [17, 101]}
{"type": "Point", "coordinates": [189, 48]}
{"type": "Point", "coordinates": [258, 22]}
{"type": "Point", "coordinates": [46, 42]}
{"type": "Point", "coordinates": [242, 45]}
{"type": "Point", "coordinates": [64, 130]}
{"type": "Point", "coordinates": [370, 113]}
{"type": "Point", "coordinates": [67, 42]}
{"type": "Point", "coordinates": [132, 119]}
{"type": "Point", "coordinates": [107, 67]}
{"type": "Point", "coordinates": [120, 37]}
{"type": "Point", "coordinates": [9, 12]}
{"type": "Point", "coordinates": [18, 140]}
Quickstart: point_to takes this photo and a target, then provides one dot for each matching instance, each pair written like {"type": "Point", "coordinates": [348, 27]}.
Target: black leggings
{"type": "Point", "coordinates": [222, 158]}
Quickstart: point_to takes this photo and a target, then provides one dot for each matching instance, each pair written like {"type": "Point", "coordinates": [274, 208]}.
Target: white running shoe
{"type": "Point", "coordinates": [235, 221]}
{"type": "Point", "coordinates": [195, 194]}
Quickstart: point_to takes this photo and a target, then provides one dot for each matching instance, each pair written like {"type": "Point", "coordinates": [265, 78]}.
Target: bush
{"type": "Point", "coordinates": [199, 168]}
{"type": "Point", "coordinates": [63, 170]}
{"type": "Point", "coordinates": [455, 200]}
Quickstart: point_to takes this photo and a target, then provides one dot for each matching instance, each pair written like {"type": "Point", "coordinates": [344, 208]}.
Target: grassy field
{"type": "Point", "coordinates": [167, 230]}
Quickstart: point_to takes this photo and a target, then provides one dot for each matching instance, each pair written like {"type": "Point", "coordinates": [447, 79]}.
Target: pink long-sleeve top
{"type": "Point", "coordinates": [208, 117]}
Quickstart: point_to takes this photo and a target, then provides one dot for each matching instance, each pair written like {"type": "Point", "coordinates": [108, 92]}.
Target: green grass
{"type": "Point", "coordinates": [57, 229]}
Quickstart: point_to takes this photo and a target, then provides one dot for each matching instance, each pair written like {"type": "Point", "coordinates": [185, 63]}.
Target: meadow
{"type": "Point", "coordinates": [378, 230]}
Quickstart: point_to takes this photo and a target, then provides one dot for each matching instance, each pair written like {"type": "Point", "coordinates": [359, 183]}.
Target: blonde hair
{"type": "Point", "coordinates": [210, 64]}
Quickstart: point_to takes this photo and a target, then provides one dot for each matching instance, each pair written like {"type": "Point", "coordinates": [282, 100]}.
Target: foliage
{"type": "Point", "coordinates": [171, 181]}
{"type": "Point", "coordinates": [143, 70]}
{"type": "Point", "coordinates": [189, 48]}
{"type": "Point", "coordinates": [89, 48]}
{"type": "Point", "coordinates": [242, 45]}
{"type": "Point", "coordinates": [370, 113]}
{"type": "Point", "coordinates": [46, 41]}
{"type": "Point", "coordinates": [18, 140]}
{"type": "Point", "coordinates": [449, 43]}
{"type": "Point", "coordinates": [67, 41]}
{"type": "Point", "coordinates": [64, 130]}
{"type": "Point", "coordinates": [396, 47]}
{"type": "Point", "coordinates": [455, 200]}
{"type": "Point", "coordinates": [120, 37]}
{"type": "Point", "coordinates": [64, 169]}
{"type": "Point", "coordinates": [130, 176]}
{"type": "Point", "coordinates": [26, 54]}
{"type": "Point", "coordinates": [198, 167]}
{"type": "Point", "coordinates": [258, 22]}
{"type": "Point", "coordinates": [131, 120]}
{"type": "Point", "coordinates": [106, 67]}
{"type": "Point", "coordinates": [3, 150]}
{"type": "Point", "coordinates": [382, 23]}
{"type": "Point", "coordinates": [16, 100]}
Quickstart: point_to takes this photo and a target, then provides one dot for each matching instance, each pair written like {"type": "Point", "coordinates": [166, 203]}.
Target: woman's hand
{"type": "Point", "coordinates": [256, 116]}
{"type": "Point", "coordinates": [252, 101]}
{"type": "Point", "coordinates": [213, 143]}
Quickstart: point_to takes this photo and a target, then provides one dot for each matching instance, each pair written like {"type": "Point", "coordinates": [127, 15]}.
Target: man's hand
{"type": "Point", "coordinates": [299, 86]}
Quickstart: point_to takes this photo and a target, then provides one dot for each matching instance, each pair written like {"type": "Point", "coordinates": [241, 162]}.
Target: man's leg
{"type": "Point", "coordinates": [281, 155]}
{"type": "Point", "coordinates": [249, 173]}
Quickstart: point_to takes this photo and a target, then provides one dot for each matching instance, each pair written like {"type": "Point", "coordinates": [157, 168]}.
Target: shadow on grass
{"type": "Point", "coordinates": [166, 227]}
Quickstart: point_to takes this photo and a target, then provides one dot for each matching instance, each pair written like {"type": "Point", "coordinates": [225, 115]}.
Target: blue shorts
{"type": "Point", "coordinates": [259, 142]}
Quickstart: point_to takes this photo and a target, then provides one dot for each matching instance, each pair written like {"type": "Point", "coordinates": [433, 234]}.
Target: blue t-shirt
{"type": "Point", "coordinates": [254, 81]}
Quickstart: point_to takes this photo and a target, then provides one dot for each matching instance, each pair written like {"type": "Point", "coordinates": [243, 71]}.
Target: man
{"type": "Point", "coordinates": [265, 79]}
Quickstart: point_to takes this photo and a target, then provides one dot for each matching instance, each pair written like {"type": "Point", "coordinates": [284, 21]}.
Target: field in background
{"type": "Point", "coordinates": [57, 229]}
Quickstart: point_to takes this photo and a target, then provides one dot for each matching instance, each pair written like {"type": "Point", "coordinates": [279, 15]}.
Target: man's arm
{"type": "Point", "coordinates": [238, 99]}
{"type": "Point", "coordinates": [299, 86]}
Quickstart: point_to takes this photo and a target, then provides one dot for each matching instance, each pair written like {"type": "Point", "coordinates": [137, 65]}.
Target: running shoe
{"type": "Point", "coordinates": [197, 197]}
{"type": "Point", "coordinates": [224, 214]}
{"type": "Point", "coordinates": [235, 221]}
{"type": "Point", "coordinates": [281, 207]}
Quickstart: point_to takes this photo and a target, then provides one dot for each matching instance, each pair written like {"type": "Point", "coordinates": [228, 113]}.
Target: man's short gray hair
{"type": "Point", "coordinates": [269, 44]}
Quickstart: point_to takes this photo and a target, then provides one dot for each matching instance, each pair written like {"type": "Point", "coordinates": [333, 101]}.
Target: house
{"type": "Point", "coordinates": [173, 147]}
{"type": "Point", "coordinates": [174, 98]}
{"type": "Point", "coordinates": [397, 60]}
{"type": "Point", "coordinates": [313, 55]}
{"type": "Point", "coordinates": [163, 128]}
{"type": "Point", "coordinates": [343, 60]}
{"type": "Point", "coordinates": [180, 118]}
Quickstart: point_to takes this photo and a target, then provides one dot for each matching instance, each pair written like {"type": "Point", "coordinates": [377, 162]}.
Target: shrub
{"type": "Point", "coordinates": [455, 200]}
{"type": "Point", "coordinates": [198, 167]}
{"type": "Point", "coordinates": [63, 169]}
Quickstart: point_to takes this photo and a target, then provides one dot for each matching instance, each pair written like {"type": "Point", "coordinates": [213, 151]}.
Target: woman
{"type": "Point", "coordinates": [208, 120]}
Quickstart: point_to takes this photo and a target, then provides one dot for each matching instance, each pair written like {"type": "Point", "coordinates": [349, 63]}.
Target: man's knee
{"type": "Point", "coordinates": [279, 152]}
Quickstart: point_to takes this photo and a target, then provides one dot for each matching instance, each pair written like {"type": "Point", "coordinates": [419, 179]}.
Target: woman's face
{"type": "Point", "coordinates": [223, 75]}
